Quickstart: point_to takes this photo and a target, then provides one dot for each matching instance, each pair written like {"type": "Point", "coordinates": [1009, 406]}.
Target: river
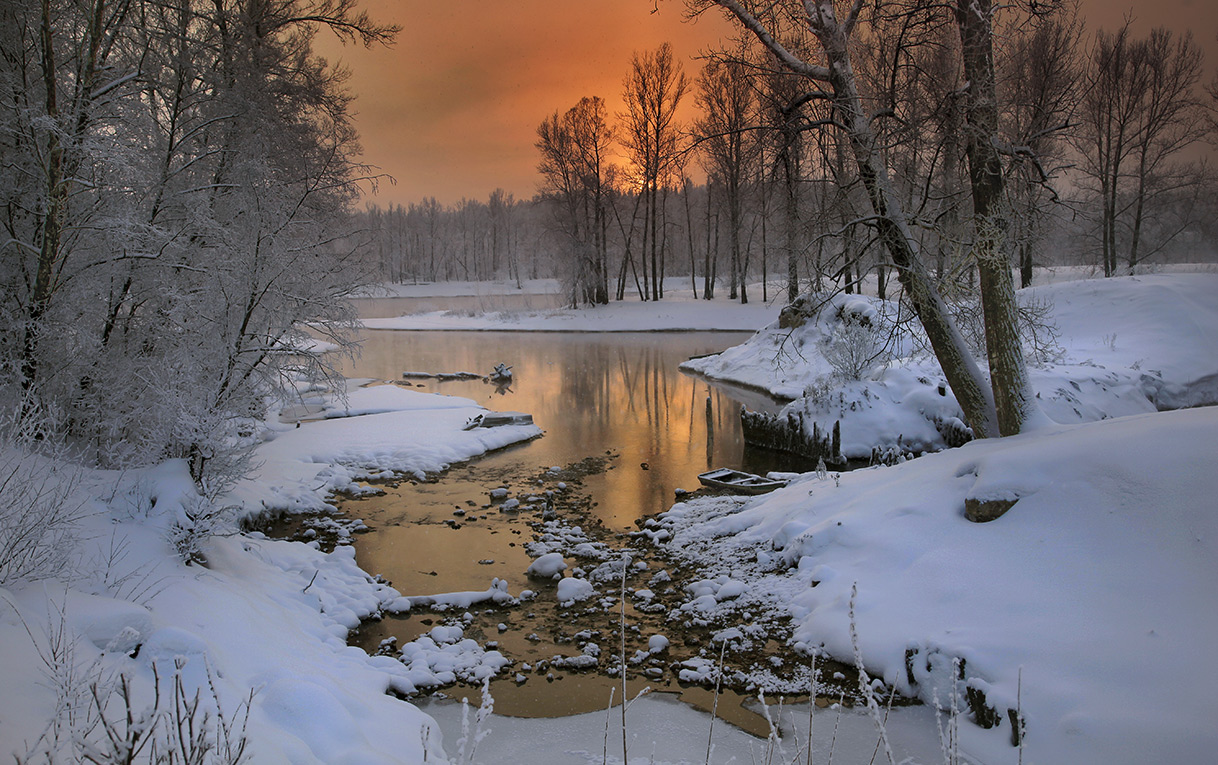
{"type": "Point", "coordinates": [614, 403]}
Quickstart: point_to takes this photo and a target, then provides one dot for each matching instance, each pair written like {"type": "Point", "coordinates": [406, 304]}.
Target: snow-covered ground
{"type": "Point", "coordinates": [1123, 346]}
{"type": "Point", "coordinates": [261, 616]}
{"type": "Point", "coordinates": [672, 314]}
{"type": "Point", "coordinates": [468, 288]}
{"type": "Point", "coordinates": [1097, 585]}
{"type": "Point", "coordinates": [1089, 606]}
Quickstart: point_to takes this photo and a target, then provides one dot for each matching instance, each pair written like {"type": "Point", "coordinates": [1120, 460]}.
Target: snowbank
{"type": "Point", "coordinates": [259, 634]}
{"type": "Point", "coordinates": [1125, 346]}
{"type": "Point", "coordinates": [259, 631]}
{"type": "Point", "coordinates": [1097, 585]}
{"type": "Point", "coordinates": [377, 431]}
{"type": "Point", "coordinates": [672, 314]}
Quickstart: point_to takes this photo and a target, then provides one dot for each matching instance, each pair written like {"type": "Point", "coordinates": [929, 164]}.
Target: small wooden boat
{"type": "Point", "coordinates": [497, 419]}
{"type": "Point", "coordinates": [738, 481]}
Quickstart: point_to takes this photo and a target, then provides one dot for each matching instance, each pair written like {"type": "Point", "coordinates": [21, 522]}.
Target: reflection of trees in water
{"type": "Point", "coordinates": [592, 393]}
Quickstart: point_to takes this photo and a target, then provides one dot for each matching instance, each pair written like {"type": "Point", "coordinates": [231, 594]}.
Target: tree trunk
{"type": "Point", "coordinates": [958, 365]}
{"type": "Point", "coordinates": [1008, 374]}
{"type": "Point", "coordinates": [689, 236]}
{"type": "Point", "coordinates": [52, 220]}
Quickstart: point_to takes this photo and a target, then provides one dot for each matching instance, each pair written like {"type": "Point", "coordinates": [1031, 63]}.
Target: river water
{"type": "Point", "coordinates": [616, 401]}
{"type": "Point", "coordinates": [591, 393]}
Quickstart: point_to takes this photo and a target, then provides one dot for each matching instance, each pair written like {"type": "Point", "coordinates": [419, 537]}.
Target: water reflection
{"type": "Point", "coordinates": [592, 394]}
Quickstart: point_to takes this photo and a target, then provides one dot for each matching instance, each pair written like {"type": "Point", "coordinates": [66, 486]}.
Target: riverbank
{"type": "Point", "coordinates": [1086, 608]}
{"type": "Point", "coordinates": [672, 314]}
{"type": "Point", "coordinates": [255, 627]}
{"type": "Point", "coordinates": [1097, 349]}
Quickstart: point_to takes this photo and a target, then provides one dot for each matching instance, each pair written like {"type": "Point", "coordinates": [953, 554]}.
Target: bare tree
{"type": "Point", "coordinates": [1173, 118]}
{"type": "Point", "coordinates": [782, 102]}
{"type": "Point", "coordinates": [653, 91]}
{"type": "Point", "coordinates": [574, 148]}
{"type": "Point", "coordinates": [730, 149]}
{"type": "Point", "coordinates": [1040, 82]}
{"type": "Point", "coordinates": [889, 219]}
{"type": "Point", "coordinates": [1141, 108]}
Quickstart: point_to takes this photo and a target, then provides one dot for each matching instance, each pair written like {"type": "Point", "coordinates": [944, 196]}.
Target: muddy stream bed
{"type": "Point", "coordinates": [624, 429]}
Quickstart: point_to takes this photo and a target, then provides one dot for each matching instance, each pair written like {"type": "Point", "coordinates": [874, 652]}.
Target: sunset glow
{"type": "Point", "coordinates": [452, 109]}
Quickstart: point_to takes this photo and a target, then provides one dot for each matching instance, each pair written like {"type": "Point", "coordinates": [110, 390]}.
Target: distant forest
{"type": "Point", "coordinates": [1103, 136]}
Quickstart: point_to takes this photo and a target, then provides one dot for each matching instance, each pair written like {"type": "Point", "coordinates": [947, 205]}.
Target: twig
{"type": "Point", "coordinates": [715, 704]}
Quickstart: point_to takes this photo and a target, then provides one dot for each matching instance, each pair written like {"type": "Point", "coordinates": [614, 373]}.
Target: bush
{"type": "Point", "coordinates": [855, 346]}
{"type": "Point", "coordinates": [38, 516]}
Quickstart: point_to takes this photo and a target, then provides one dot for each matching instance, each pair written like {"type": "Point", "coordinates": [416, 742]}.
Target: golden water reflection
{"type": "Point", "coordinates": [592, 394]}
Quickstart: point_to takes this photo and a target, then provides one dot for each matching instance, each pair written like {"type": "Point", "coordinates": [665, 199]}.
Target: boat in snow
{"type": "Point", "coordinates": [740, 482]}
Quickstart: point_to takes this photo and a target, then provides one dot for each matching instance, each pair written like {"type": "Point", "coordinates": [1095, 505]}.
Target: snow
{"type": "Point", "coordinates": [675, 313]}
{"type": "Point", "coordinates": [664, 731]}
{"type": "Point", "coordinates": [547, 566]}
{"type": "Point", "coordinates": [1089, 604]}
{"type": "Point", "coordinates": [1091, 599]}
{"type": "Point", "coordinates": [468, 288]}
{"type": "Point", "coordinates": [497, 594]}
{"type": "Point", "coordinates": [265, 616]}
{"type": "Point", "coordinates": [572, 589]}
{"type": "Point", "coordinates": [399, 430]}
{"type": "Point", "coordinates": [1128, 345]}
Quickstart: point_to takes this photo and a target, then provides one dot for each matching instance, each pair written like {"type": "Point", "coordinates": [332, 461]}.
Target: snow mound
{"type": "Point", "coordinates": [1096, 586]}
{"type": "Point", "coordinates": [443, 656]}
{"type": "Point", "coordinates": [573, 589]}
{"type": "Point", "coordinates": [547, 566]}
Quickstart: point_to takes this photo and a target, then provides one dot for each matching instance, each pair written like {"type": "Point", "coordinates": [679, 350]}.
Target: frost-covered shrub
{"type": "Point", "coordinates": [38, 517]}
{"type": "Point", "coordinates": [39, 513]}
{"type": "Point", "coordinates": [106, 717]}
{"type": "Point", "coordinates": [856, 344]}
{"type": "Point", "coordinates": [201, 519]}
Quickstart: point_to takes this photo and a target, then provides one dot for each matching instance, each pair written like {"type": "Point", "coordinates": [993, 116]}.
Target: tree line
{"type": "Point", "coordinates": [945, 144]}
{"type": "Point", "coordinates": [1100, 140]}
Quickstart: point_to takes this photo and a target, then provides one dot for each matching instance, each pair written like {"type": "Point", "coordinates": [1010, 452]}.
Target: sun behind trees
{"type": "Point", "coordinates": [964, 144]}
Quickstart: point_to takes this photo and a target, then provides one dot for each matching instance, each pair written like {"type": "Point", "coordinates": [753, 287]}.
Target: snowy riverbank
{"type": "Point", "coordinates": [259, 630]}
{"type": "Point", "coordinates": [1088, 606]}
{"type": "Point", "coordinates": [1109, 348]}
{"type": "Point", "coordinates": [672, 314]}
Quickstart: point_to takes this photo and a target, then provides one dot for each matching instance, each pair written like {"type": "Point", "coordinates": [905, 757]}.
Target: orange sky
{"type": "Point", "coordinates": [451, 110]}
